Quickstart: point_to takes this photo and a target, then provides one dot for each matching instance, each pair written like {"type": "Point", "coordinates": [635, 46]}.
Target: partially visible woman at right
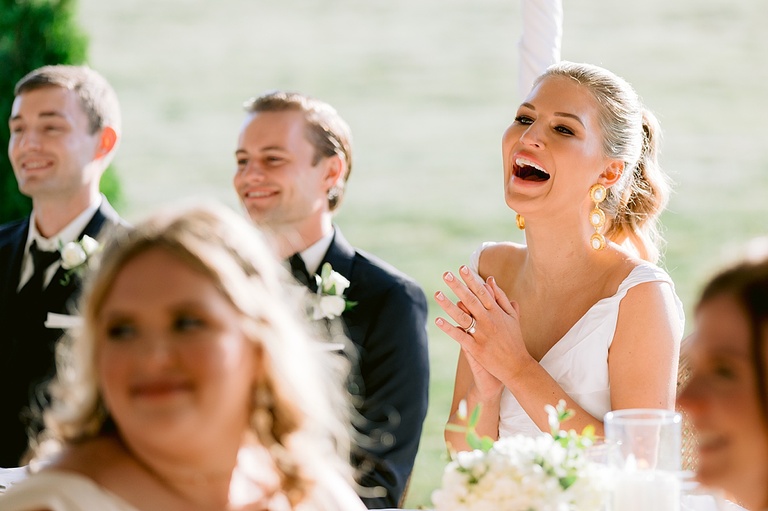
{"type": "Point", "coordinates": [726, 397]}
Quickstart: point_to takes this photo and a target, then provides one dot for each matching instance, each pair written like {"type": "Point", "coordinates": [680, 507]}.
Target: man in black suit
{"type": "Point", "coordinates": [65, 124]}
{"type": "Point", "coordinates": [293, 160]}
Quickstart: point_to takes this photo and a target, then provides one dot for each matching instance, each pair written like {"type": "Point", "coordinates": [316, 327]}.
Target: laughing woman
{"type": "Point", "coordinates": [192, 384]}
{"type": "Point", "coordinates": [580, 312]}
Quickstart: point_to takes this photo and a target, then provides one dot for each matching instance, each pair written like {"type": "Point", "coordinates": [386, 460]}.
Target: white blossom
{"type": "Point", "coordinates": [329, 306]}
{"type": "Point", "coordinates": [522, 473]}
{"type": "Point", "coordinates": [335, 283]}
{"type": "Point", "coordinates": [73, 255]}
{"type": "Point", "coordinates": [90, 245]}
{"type": "Point", "coordinates": [329, 300]}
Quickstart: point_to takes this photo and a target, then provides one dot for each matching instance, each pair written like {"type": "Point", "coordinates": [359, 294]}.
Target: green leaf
{"type": "Point", "coordinates": [475, 417]}
{"type": "Point", "coordinates": [455, 427]}
{"type": "Point", "coordinates": [474, 441]}
{"type": "Point", "coordinates": [486, 443]}
{"type": "Point", "coordinates": [567, 481]}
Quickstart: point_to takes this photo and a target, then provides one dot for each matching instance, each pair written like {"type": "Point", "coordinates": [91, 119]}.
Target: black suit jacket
{"type": "Point", "coordinates": [391, 374]}
{"type": "Point", "coordinates": [26, 345]}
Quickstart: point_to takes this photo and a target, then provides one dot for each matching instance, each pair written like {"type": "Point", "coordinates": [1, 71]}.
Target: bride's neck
{"type": "Point", "coordinates": [557, 253]}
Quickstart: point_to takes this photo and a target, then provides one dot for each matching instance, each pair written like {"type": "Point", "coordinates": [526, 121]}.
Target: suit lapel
{"type": "Point", "coordinates": [104, 218]}
{"type": "Point", "coordinates": [341, 255]}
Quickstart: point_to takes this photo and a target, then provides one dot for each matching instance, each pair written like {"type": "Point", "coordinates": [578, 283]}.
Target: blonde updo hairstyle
{"type": "Point", "coordinates": [301, 422]}
{"type": "Point", "coordinates": [631, 134]}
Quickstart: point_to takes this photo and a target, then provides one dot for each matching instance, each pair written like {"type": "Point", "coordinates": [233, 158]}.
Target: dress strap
{"type": "Point", "coordinates": [648, 272]}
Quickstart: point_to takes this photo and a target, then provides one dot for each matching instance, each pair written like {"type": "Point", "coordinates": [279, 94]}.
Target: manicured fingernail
{"type": "Point", "coordinates": [448, 276]}
{"type": "Point", "coordinates": [440, 295]}
{"type": "Point", "coordinates": [464, 270]}
{"type": "Point", "coordinates": [439, 322]}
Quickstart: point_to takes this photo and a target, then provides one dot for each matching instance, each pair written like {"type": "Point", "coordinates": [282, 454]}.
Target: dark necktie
{"type": "Point", "coordinates": [300, 273]}
{"type": "Point", "coordinates": [41, 261]}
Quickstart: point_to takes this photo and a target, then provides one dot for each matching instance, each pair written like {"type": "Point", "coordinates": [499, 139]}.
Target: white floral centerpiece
{"type": "Point", "coordinates": [549, 472]}
{"type": "Point", "coordinates": [329, 301]}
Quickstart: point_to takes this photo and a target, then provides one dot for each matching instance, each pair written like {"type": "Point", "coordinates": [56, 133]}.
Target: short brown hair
{"type": "Point", "coordinates": [97, 96]}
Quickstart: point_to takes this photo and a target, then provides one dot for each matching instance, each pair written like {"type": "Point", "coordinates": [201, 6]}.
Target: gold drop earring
{"type": "Point", "coordinates": [597, 217]}
{"type": "Point", "coordinates": [520, 221]}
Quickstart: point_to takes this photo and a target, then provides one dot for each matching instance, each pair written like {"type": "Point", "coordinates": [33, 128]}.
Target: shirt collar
{"type": "Point", "coordinates": [314, 254]}
{"type": "Point", "coordinates": [69, 233]}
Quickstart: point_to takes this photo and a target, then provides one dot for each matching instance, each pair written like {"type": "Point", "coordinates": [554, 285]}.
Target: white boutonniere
{"type": "Point", "coordinates": [76, 255]}
{"type": "Point", "coordinates": [329, 300]}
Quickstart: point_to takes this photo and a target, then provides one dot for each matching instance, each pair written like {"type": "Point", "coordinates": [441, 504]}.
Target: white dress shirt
{"type": "Point", "coordinates": [313, 255]}
{"type": "Point", "coordinates": [53, 244]}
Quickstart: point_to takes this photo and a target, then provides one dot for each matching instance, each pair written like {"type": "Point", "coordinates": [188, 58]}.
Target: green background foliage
{"type": "Point", "coordinates": [428, 87]}
{"type": "Point", "coordinates": [35, 33]}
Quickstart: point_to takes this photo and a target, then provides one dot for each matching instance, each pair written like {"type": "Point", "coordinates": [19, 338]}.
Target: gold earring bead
{"type": "Point", "coordinates": [597, 193]}
{"type": "Point", "coordinates": [520, 222]}
{"type": "Point", "coordinates": [597, 241]}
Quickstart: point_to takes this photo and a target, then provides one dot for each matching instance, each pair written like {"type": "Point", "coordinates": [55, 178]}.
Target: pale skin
{"type": "Point", "coordinates": [278, 184]}
{"type": "Point", "coordinates": [554, 280]}
{"type": "Point", "coordinates": [56, 160]}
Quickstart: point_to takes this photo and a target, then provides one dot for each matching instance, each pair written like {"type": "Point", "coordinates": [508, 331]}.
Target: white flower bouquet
{"type": "Point", "coordinates": [550, 472]}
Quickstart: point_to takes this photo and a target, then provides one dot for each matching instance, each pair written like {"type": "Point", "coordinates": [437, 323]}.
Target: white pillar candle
{"type": "Point", "coordinates": [645, 490]}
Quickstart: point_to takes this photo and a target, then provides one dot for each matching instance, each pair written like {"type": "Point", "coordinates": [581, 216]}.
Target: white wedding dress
{"type": "Point", "coordinates": [579, 360]}
{"type": "Point", "coordinates": [57, 490]}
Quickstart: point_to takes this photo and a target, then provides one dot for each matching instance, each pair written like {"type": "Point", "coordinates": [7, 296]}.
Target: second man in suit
{"type": "Point", "coordinates": [65, 127]}
{"type": "Point", "coordinates": [293, 159]}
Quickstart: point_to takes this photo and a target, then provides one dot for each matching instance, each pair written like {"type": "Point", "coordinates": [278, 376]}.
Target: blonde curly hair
{"type": "Point", "coordinates": [302, 420]}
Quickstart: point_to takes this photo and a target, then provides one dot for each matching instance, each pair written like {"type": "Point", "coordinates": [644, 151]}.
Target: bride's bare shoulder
{"type": "Point", "coordinates": [501, 258]}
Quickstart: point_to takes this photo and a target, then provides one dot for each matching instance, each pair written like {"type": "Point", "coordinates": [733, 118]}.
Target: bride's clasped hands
{"type": "Point", "coordinates": [492, 341]}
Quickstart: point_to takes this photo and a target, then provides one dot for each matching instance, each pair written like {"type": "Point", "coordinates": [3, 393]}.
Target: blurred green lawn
{"type": "Point", "coordinates": [428, 87]}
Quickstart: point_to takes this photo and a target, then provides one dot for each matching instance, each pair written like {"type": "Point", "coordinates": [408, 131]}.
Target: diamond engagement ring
{"type": "Point", "coordinates": [471, 328]}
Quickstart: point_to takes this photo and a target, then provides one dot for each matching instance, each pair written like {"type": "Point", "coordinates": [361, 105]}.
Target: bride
{"type": "Point", "coordinates": [580, 312]}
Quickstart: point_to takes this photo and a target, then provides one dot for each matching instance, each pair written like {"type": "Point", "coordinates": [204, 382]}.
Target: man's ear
{"type": "Point", "coordinates": [334, 171]}
{"type": "Point", "coordinates": [612, 173]}
{"type": "Point", "coordinates": [106, 142]}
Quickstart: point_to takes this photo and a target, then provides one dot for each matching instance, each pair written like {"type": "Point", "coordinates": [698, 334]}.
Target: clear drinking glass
{"type": "Point", "coordinates": [645, 456]}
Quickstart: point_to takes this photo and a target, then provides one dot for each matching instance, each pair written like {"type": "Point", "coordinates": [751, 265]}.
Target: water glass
{"type": "Point", "coordinates": [645, 456]}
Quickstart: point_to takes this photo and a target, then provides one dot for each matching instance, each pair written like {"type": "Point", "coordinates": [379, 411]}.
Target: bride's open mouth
{"type": "Point", "coordinates": [529, 171]}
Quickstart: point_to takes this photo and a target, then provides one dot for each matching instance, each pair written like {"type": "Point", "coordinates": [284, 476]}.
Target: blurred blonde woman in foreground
{"type": "Point", "coordinates": [726, 396]}
{"type": "Point", "coordinates": [192, 384]}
